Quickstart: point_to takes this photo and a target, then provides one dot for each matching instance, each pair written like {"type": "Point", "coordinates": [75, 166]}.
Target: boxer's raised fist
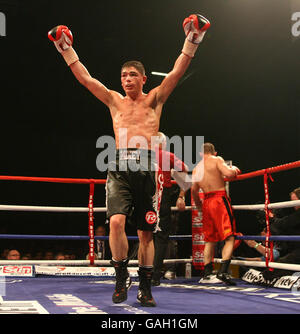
{"type": "Point", "coordinates": [62, 37]}
{"type": "Point", "coordinates": [195, 27]}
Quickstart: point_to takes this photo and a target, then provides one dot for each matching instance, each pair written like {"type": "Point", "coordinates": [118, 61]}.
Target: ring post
{"type": "Point", "coordinates": [269, 245]}
{"type": "Point", "coordinates": [91, 224]}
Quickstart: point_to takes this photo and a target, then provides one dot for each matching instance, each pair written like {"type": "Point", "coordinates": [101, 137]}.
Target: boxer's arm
{"type": "Point", "coordinates": [171, 80]}
{"type": "Point", "coordinates": [195, 194]}
{"type": "Point", "coordinates": [92, 84]}
{"type": "Point", "coordinates": [180, 203]}
{"type": "Point", "coordinates": [195, 27]}
{"type": "Point", "coordinates": [195, 190]}
{"type": "Point", "coordinates": [62, 38]}
{"type": "Point", "coordinates": [225, 170]}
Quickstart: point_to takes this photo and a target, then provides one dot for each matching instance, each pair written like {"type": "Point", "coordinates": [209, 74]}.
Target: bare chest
{"type": "Point", "coordinates": [134, 113]}
{"type": "Point", "coordinates": [139, 118]}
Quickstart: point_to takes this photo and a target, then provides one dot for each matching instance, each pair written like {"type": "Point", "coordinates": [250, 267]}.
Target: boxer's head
{"type": "Point", "coordinates": [295, 196]}
{"type": "Point", "coordinates": [133, 77]}
{"type": "Point", "coordinates": [209, 148]}
{"type": "Point", "coordinates": [136, 64]}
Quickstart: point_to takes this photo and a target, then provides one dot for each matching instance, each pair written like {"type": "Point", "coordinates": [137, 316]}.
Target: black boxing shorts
{"type": "Point", "coordinates": [134, 188]}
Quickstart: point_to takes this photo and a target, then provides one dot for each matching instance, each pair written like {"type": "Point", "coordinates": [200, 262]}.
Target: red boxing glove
{"type": "Point", "coordinates": [63, 40]}
{"type": "Point", "coordinates": [195, 27]}
{"type": "Point", "coordinates": [62, 37]}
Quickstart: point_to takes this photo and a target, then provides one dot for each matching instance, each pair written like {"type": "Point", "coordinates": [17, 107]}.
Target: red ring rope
{"type": "Point", "coordinates": [52, 179]}
{"type": "Point", "coordinates": [270, 170]}
{"type": "Point", "coordinates": [260, 172]}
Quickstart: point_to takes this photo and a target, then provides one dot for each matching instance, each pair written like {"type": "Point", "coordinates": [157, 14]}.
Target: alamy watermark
{"type": "Point", "coordinates": [136, 154]}
{"type": "Point", "coordinates": [2, 24]}
{"type": "Point", "coordinates": [295, 30]}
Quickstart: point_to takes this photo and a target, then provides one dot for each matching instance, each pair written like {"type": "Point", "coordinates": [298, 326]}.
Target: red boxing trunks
{"type": "Point", "coordinates": [217, 216]}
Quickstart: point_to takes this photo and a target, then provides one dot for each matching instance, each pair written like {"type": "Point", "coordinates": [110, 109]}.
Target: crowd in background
{"type": "Point", "coordinates": [15, 254]}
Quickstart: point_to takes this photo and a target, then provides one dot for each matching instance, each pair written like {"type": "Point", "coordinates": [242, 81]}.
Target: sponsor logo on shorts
{"type": "Point", "coordinates": [151, 217]}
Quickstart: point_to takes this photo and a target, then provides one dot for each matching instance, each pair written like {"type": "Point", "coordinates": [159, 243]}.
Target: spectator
{"type": "Point", "coordinates": [38, 256]}
{"type": "Point", "coordinates": [4, 254]}
{"type": "Point", "coordinates": [288, 225]}
{"type": "Point", "coordinates": [13, 254]}
{"type": "Point", "coordinates": [26, 256]}
{"type": "Point", "coordinates": [261, 249]}
{"type": "Point", "coordinates": [95, 257]}
{"type": "Point", "coordinates": [295, 196]}
{"type": "Point", "coordinates": [49, 255]}
{"type": "Point", "coordinates": [102, 251]}
{"type": "Point", "coordinates": [72, 256]}
{"type": "Point", "coordinates": [101, 247]}
{"type": "Point", "coordinates": [60, 256]}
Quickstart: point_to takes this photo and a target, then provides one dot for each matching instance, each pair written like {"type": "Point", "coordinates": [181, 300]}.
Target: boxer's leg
{"type": "Point", "coordinates": [119, 248]}
{"type": "Point", "coordinates": [208, 258]}
{"type": "Point", "coordinates": [117, 237]}
{"type": "Point", "coordinates": [223, 273]}
{"type": "Point", "coordinates": [146, 257]}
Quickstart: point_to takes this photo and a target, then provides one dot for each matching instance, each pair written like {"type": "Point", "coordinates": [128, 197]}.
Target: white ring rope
{"type": "Point", "coordinates": [47, 208]}
{"type": "Point", "coordinates": [262, 264]}
{"type": "Point", "coordinates": [275, 265]}
{"type": "Point", "coordinates": [279, 205]}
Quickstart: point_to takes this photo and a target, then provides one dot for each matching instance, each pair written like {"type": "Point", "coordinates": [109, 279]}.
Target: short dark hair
{"type": "Point", "coordinates": [209, 148]}
{"type": "Point", "coordinates": [136, 64]}
{"type": "Point", "coordinates": [296, 192]}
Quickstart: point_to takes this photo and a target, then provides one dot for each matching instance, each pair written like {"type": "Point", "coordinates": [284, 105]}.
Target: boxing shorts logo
{"type": "Point", "coordinates": [130, 155]}
{"type": "Point", "coordinates": [151, 217]}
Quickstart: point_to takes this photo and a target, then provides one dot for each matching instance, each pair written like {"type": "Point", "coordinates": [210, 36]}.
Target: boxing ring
{"type": "Point", "coordinates": [86, 286]}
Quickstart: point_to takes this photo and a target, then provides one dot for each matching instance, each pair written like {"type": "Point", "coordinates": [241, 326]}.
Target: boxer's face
{"type": "Point", "coordinates": [132, 80]}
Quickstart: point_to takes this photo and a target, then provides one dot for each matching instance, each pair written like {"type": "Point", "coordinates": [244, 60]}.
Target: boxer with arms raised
{"type": "Point", "coordinates": [218, 220]}
{"type": "Point", "coordinates": [139, 114]}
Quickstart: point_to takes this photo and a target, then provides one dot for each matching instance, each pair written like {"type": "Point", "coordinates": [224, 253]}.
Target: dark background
{"type": "Point", "coordinates": [241, 93]}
